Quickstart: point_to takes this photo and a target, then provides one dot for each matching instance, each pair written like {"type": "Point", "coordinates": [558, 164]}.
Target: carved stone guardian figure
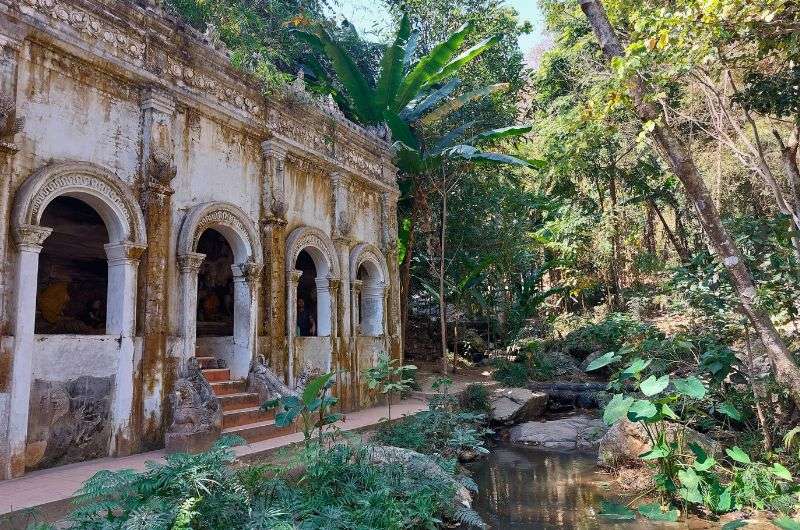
{"type": "Point", "coordinates": [196, 412]}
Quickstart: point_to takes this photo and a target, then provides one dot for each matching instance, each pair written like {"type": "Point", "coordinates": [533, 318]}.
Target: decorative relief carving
{"type": "Point", "coordinates": [190, 262]}
{"type": "Point", "coordinates": [220, 217]}
{"type": "Point", "coordinates": [306, 236]}
{"type": "Point", "coordinates": [90, 26]}
{"type": "Point", "coordinates": [63, 178]}
{"type": "Point", "coordinates": [10, 123]}
{"type": "Point", "coordinates": [31, 237]}
{"type": "Point", "coordinates": [364, 252]}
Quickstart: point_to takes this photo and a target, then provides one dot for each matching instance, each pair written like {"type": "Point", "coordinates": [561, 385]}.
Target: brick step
{"type": "Point", "coordinates": [257, 432]}
{"type": "Point", "coordinates": [242, 417]}
{"type": "Point", "coordinates": [207, 362]}
{"type": "Point", "coordinates": [224, 388]}
{"type": "Point", "coordinates": [217, 374]}
{"type": "Point", "coordinates": [241, 400]}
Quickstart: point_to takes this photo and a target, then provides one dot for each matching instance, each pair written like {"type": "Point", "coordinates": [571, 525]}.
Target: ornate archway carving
{"type": "Point", "coordinates": [228, 219]}
{"type": "Point", "coordinates": [93, 184]}
{"type": "Point", "coordinates": [367, 252]}
{"type": "Point", "coordinates": [306, 237]}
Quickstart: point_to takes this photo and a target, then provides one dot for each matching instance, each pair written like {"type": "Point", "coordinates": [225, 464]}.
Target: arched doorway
{"type": "Point", "coordinates": [72, 283]}
{"type": "Point", "coordinates": [370, 297]}
{"type": "Point", "coordinates": [307, 312]}
{"type": "Point", "coordinates": [79, 234]}
{"type": "Point", "coordinates": [312, 273]}
{"type": "Point", "coordinates": [219, 257]}
{"type": "Point", "coordinates": [215, 294]}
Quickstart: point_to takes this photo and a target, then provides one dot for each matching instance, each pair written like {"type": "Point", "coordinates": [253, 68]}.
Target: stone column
{"type": "Point", "coordinates": [292, 279]}
{"type": "Point", "coordinates": [29, 241]}
{"type": "Point", "coordinates": [156, 372]}
{"type": "Point", "coordinates": [373, 315]}
{"type": "Point", "coordinates": [123, 261]}
{"type": "Point", "coordinates": [326, 308]}
{"type": "Point", "coordinates": [273, 229]}
{"type": "Point", "coordinates": [355, 311]}
{"type": "Point", "coordinates": [389, 244]}
{"type": "Point", "coordinates": [245, 314]}
{"type": "Point", "coordinates": [189, 267]}
{"type": "Point", "coordinates": [10, 125]}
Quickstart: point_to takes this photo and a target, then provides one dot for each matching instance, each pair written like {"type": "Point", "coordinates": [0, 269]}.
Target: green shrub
{"type": "Point", "coordinates": [475, 398]}
{"type": "Point", "coordinates": [511, 373]}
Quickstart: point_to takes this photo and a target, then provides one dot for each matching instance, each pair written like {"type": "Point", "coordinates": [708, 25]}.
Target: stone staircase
{"type": "Point", "coordinates": [241, 410]}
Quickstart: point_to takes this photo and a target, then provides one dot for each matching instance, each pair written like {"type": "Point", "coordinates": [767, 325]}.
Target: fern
{"type": "Point", "coordinates": [468, 517]}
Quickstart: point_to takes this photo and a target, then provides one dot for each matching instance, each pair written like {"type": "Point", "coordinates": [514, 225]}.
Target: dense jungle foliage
{"type": "Point", "coordinates": [628, 215]}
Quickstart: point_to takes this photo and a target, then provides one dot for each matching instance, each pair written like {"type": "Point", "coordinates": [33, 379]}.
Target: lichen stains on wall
{"type": "Point", "coordinates": [5, 369]}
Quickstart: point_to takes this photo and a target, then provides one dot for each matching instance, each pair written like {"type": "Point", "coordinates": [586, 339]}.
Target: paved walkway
{"type": "Point", "coordinates": [56, 485]}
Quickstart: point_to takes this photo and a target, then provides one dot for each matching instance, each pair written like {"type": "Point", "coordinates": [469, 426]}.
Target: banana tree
{"type": "Point", "coordinates": [410, 97]}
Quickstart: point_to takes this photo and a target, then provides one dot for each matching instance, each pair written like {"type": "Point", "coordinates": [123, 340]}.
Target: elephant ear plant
{"type": "Point", "coordinates": [313, 407]}
{"type": "Point", "coordinates": [687, 474]}
{"type": "Point", "coordinates": [389, 377]}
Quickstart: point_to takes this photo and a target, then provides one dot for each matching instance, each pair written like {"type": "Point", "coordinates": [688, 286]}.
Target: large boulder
{"type": "Point", "coordinates": [575, 432]}
{"type": "Point", "coordinates": [416, 463]}
{"type": "Point", "coordinates": [626, 440]}
{"type": "Point", "coordinates": [514, 405]}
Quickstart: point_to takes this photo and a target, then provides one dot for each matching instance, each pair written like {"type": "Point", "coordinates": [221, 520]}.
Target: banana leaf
{"type": "Point", "coordinates": [392, 66]}
{"type": "Point", "coordinates": [463, 58]}
{"type": "Point", "coordinates": [474, 154]}
{"type": "Point", "coordinates": [458, 102]}
{"type": "Point", "coordinates": [415, 109]}
{"type": "Point", "coordinates": [429, 65]}
{"type": "Point", "coordinates": [503, 132]}
{"type": "Point", "coordinates": [360, 94]}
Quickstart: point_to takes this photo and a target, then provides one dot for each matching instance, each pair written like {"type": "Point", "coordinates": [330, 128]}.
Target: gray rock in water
{"type": "Point", "coordinates": [626, 440]}
{"type": "Point", "coordinates": [514, 405]}
{"type": "Point", "coordinates": [575, 432]}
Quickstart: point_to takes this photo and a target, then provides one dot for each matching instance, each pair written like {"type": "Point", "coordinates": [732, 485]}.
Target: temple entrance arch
{"type": "Point", "coordinates": [310, 254]}
{"type": "Point", "coordinates": [74, 191]}
{"type": "Point", "coordinates": [226, 231]}
{"type": "Point", "coordinates": [369, 275]}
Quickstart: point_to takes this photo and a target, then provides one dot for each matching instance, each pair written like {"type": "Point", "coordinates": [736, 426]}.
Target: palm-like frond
{"type": "Point", "coordinates": [463, 58]}
{"type": "Point", "coordinates": [392, 65]}
{"type": "Point", "coordinates": [360, 94]}
{"type": "Point", "coordinates": [430, 65]}
{"type": "Point", "coordinates": [458, 102]}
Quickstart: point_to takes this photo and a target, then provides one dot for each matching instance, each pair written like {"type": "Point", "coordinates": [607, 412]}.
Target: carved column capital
{"type": "Point", "coordinates": [158, 145]}
{"type": "Point", "coordinates": [157, 100]}
{"type": "Point", "coordinates": [294, 277]}
{"type": "Point", "coordinates": [274, 194]}
{"type": "Point", "coordinates": [124, 252]}
{"type": "Point", "coordinates": [30, 238]}
{"type": "Point", "coordinates": [190, 262]}
{"type": "Point", "coordinates": [274, 148]}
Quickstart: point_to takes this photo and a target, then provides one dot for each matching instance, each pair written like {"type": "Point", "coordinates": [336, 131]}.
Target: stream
{"type": "Point", "coordinates": [535, 489]}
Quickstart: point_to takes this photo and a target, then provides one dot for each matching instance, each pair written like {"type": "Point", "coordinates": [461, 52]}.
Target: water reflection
{"type": "Point", "coordinates": [534, 489]}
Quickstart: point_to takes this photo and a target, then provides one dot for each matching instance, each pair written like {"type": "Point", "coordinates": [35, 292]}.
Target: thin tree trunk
{"type": "Point", "coordinates": [683, 252]}
{"type": "Point", "coordinates": [759, 392]}
{"type": "Point", "coordinates": [417, 202]}
{"type": "Point", "coordinates": [442, 300]}
{"type": "Point", "coordinates": [682, 164]}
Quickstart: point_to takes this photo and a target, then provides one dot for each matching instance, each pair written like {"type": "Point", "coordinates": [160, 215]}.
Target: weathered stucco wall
{"type": "Point", "coordinates": [145, 121]}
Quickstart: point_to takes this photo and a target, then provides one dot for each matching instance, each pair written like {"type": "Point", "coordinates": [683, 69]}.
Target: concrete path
{"type": "Point", "coordinates": [49, 490]}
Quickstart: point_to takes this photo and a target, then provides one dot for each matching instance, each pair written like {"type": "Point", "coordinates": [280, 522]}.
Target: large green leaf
{"type": "Point", "coordinates": [392, 67]}
{"type": "Point", "coordinates": [730, 411]}
{"type": "Point", "coordinates": [781, 472]}
{"type": "Point", "coordinates": [503, 132]}
{"type": "Point", "coordinates": [691, 387]}
{"type": "Point", "coordinates": [419, 107]}
{"type": "Point", "coordinates": [738, 455]}
{"type": "Point", "coordinates": [642, 410]}
{"type": "Point", "coordinates": [636, 366]}
{"type": "Point", "coordinates": [617, 408]}
{"type": "Point", "coordinates": [469, 152]}
{"type": "Point", "coordinates": [420, 75]}
{"type": "Point", "coordinates": [603, 360]}
{"type": "Point", "coordinates": [458, 102]}
{"type": "Point", "coordinates": [653, 385]}
{"type": "Point", "coordinates": [616, 511]}
{"type": "Point", "coordinates": [463, 58]}
{"type": "Point", "coordinates": [401, 131]}
{"type": "Point", "coordinates": [447, 141]}
{"type": "Point", "coordinates": [361, 96]}
{"type": "Point", "coordinates": [654, 512]}
{"type": "Point", "coordinates": [314, 387]}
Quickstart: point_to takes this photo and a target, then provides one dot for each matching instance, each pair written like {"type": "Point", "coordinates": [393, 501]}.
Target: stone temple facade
{"type": "Point", "coordinates": [160, 218]}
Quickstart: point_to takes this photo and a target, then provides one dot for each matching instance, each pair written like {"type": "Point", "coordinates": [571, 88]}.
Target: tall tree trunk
{"type": "Point", "coordinates": [442, 299]}
{"type": "Point", "coordinates": [418, 202]}
{"type": "Point", "coordinates": [682, 164]}
{"type": "Point", "coordinates": [616, 282]}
